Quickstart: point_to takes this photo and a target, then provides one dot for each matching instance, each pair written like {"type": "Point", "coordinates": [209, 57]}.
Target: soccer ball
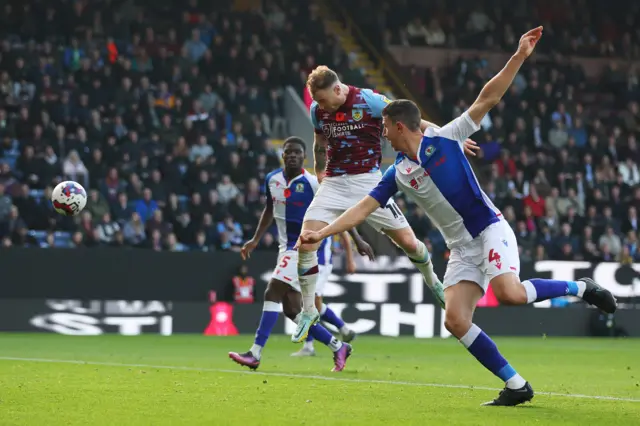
{"type": "Point", "coordinates": [69, 198]}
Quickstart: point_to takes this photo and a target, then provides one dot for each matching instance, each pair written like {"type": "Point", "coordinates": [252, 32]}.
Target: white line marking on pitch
{"type": "Point", "coordinates": [302, 376]}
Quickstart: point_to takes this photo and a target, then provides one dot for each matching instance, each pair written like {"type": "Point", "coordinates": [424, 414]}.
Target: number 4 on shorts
{"type": "Point", "coordinates": [494, 256]}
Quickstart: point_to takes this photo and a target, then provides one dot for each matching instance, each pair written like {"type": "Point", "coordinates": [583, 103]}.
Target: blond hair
{"type": "Point", "coordinates": [321, 78]}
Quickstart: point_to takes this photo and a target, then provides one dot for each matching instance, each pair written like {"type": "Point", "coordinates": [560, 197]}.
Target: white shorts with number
{"type": "Point", "coordinates": [492, 253]}
{"type": "Point", "coordinates": [287, 271]}
{"type": "Point", "coordinates": [337, 193]}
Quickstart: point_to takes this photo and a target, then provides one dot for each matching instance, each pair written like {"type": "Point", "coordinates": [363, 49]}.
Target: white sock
{"type": "Point", "coordinates": [344, 329]}
{"type": "Point", "coordinates": [516, 382]}
{"type": "Point", "coordinates": [582, 286]}
{"type": "Point", "coordinates": [307, 261]}
{"type": "Point", "coordinates": [256, 350]}
{"type": "Point", "coordinates": [335, 344]}
{"type": "Point", "coordinates": [422, 260]}
{"type": "Point", "coordinates": [308, 345]}
{"type": "Point", "coordinates": [323, 309]}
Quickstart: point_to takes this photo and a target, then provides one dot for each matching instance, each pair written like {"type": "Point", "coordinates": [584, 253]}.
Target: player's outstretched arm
{"type": "Point", "coordinates": [320, 143]}
{"type": "Point", "coordinates": [266, 219]}
{"type": "Point", "coordinates": [354, 216]}
{"type": "Point", "coordinates": [495, 89]}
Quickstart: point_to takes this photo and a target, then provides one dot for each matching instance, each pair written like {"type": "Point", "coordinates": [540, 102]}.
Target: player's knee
{"type": "Point", "coordinates": [509, 291]}
{"type": "Point", "coordinates": [457, 323]}
{"type": "Point", "coordinates": [272, 295]}
{"type": "Point", "coordinates": [405, 239]}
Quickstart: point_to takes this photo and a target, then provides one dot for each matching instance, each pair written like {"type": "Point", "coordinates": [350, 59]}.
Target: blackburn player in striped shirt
{"type": "Point", "coordinates": [289, 193]}
{"type": "Point", "coordinates": [434, 173]}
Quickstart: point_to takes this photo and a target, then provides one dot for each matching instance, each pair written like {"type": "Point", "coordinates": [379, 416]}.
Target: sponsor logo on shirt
{"type": "Point", "coordinates": [335, 130]}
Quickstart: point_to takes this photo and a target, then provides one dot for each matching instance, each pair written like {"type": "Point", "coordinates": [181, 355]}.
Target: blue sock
{"type": "Point", "coordinates": [327, 315]}
{"type": "Point", "coordinates": [270, 313]}
{"type": "Point", "coordinates": [309, 338]}
{"type": "Point", "coordinates": [486, 352]}
{"type": "Point", "coordinates": [539, 289]}
{"type": "Point", "coordinates": [321, 334]}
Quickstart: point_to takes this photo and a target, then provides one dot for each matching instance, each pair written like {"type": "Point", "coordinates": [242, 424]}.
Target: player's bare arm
{"type": "Point", "coordinates": [354, 216]}
{"type": "Point", "coordinates": [495, 89]}
{"type": "Point", "coordinates": [320, 143]}
{"type": "Point", "coordinates": [266, 219]}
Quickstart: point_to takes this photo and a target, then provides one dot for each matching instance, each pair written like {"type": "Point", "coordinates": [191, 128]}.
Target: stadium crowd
{"type": "Point", "coordinates": [560, 152]}
{"type": "Point", "coordinates": [167, 123]}
{"type": "Point", "coordinates": [571, 27]}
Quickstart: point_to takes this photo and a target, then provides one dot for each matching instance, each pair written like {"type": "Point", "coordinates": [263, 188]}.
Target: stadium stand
{"type": "Point", "coordinates": [170, 125]}
{"type": "Point", "coordinates": [560, 154]}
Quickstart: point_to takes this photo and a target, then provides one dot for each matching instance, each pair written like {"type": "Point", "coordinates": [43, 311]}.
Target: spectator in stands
{"type": "Point", "coordinates": [134, 230]}
{"type": "Point", "coordinates": [227, 190]}
{"type": "Point", "coordinates": [5, 205]}
{"type": "Point", "coordinates": [107, 229]}
{"type": "Point", "coordinates": [74, 169]}
{"type": "Point", "coordinates": [146, 206]}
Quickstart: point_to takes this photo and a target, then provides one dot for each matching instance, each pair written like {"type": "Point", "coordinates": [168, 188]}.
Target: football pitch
{"type": "Point", "coordinates": [188, 380]}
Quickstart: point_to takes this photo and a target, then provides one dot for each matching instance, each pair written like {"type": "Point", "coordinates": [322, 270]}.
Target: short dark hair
{"type": "Point", "coordinates": [296, 140]}
{"type": "Point", "coordinates": [405, 112]}
{"type": "Point", "coordinates": [321, 78]}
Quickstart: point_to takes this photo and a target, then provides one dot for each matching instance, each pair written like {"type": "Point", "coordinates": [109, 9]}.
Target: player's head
{"type": "Point", "coordinates": [325, 88]}
{"type": "Point", "coordinates": [401, 119]}
{"type": "Point", "coordinates": [293, 153]}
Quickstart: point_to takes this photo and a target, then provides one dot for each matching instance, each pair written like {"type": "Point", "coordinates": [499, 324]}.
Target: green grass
{"type": "Point", "coordinates": [208, 389]}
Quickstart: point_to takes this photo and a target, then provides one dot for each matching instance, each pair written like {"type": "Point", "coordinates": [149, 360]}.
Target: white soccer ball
{"type": "Point", "coordinates": [69, 198]}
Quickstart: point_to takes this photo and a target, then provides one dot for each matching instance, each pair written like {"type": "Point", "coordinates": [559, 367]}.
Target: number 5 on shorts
{"type": "Point", "coordinates": [284, 262]}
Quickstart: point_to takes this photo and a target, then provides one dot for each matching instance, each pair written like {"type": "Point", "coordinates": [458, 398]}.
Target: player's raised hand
{"type": "Point", "coordinates": [471, 147]}
{"type": "Point", "coordinates": [528, 41]}
{"type": "Point", "coordinates": [247, 248]}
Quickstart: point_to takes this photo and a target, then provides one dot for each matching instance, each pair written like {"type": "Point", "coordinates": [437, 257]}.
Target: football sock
{"type": "Point", "coordinates": [321, 334]}
{"type": "Point", "coordinates": [307, 275]}
{"type": "Point", "coordinates": [486, 352]}
{"type": "Point", "coordinates": [422, 260]}
{"type": "Point", "coordinates": [308, 343]}
{"type": "Point", "coordinates": [327, 315]}
{"type": "Point", "coordinates": [539, 289]}
{"type": "Point", "coordinates": [270, 312]}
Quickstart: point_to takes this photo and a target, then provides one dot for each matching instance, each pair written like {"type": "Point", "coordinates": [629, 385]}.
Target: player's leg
{"type": "Point", "coordinates": [328, 316]}
{"type": "Point", "coordinates": [462, 292]}
{"type": "Point", "coordinates": [326, 313]}
{"type": "Point", "coordinates": [327, 205]}
{"type": "Point", "coordinates": [308, 349]}
{"type": "Point", "coordinates": [461, 300]}
{"type": "Point", "coordinates": [417, 252]}
{"type": "Point", "coordinates": [273, 297]}
{"type": "Point", "coordinates": [503, 268]}
{"type": "Point", "coordinates": [308, 270]}
{"type": "Point", "coordinates": [341, 351]}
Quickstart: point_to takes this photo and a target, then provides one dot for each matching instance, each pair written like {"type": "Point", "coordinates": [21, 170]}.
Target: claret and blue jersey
{"type": "Point", "coordinates": [290, 201]}
{"type": "Point", "coordinates": [353, 132]}
{"type": "Point", "coordinates": [441, 182]}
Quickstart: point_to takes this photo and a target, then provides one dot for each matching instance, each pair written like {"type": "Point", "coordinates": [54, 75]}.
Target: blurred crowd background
{"type": "Point", "coordinates": [172, 113]}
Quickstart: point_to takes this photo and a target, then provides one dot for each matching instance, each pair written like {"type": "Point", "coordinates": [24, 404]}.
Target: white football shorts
{"type": "Point", "coordinates": [337, 193]}
{"type": "Point", "coordinates": [492, 253]}
{"type": "Point", "coordinates": [286, 270]}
